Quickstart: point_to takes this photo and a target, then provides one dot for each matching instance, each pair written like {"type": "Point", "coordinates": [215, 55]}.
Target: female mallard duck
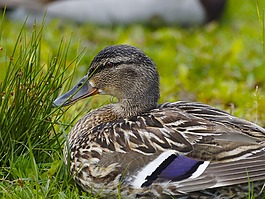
{"type": "Point", "coordinates": [137, 148]}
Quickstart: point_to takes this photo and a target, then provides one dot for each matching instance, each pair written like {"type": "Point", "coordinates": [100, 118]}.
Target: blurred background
{"type": "Point", "coordinates": [171, 12]}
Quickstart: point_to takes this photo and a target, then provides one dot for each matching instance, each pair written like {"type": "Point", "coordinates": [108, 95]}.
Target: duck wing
{"type": "Point", "coordinates": [219, 175]}
{"type": "Point", "coordinates": [218, 136]}
{"type": "Point", "coordinates": [183, 147]}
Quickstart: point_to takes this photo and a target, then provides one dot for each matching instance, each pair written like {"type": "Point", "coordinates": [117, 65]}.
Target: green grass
{"type": "Point", "coordinates": [221, 64]}
{"type": "Point", "coordinates": [30, 148]}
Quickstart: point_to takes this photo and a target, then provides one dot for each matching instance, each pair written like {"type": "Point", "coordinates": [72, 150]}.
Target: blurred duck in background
{"type": "Point", "coordinates": [109, 12]}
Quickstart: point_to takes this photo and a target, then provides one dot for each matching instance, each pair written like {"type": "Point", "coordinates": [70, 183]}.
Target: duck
{"type": "Point", "coordinates": [109, 12]}
{"type": "Point", "coordinates": [137, 148]}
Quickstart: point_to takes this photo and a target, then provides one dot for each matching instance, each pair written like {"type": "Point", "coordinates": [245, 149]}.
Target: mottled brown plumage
{"type": "Point", "coordinates": [152, 150]}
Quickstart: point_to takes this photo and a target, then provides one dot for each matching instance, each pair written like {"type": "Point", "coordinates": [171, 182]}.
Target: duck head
{"type": "Point", "coordinates": [122, 71]}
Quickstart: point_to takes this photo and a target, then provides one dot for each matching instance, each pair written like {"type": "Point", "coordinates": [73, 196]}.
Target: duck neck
{"type": "Point", "coordinates": [132, 107]}
{"type": "Point", "coordinates": [123, 109]}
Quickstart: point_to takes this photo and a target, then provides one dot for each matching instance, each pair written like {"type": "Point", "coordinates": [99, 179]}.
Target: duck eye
{"type": "Point", "coordinates": [109, 64]}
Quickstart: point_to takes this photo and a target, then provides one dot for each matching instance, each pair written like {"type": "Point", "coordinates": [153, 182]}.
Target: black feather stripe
{"type": "Point", "coordinates": [151, 178]}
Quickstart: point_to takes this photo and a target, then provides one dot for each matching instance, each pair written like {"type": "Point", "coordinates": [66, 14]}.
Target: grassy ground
{"type": "Point", "coordinates": [221, 64]}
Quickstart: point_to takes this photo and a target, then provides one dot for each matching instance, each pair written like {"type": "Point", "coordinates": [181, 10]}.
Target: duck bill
{"type": "Point", "coordinates": [81, 90]}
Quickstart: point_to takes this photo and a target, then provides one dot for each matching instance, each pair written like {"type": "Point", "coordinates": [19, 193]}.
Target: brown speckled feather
{"type": "Point", "coordinates": [150, 150]}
